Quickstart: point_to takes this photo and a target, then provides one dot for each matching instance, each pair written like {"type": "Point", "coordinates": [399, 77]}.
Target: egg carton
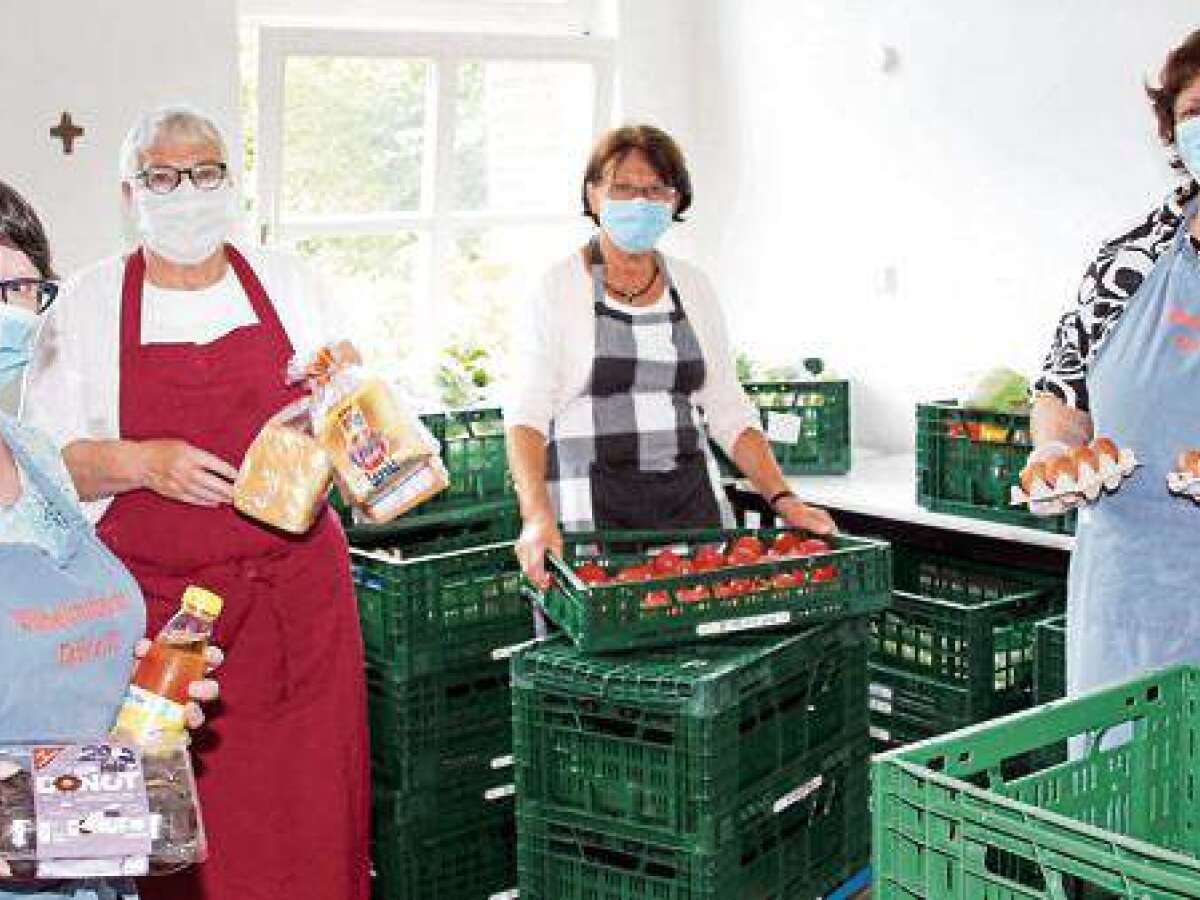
{"type": "Point", "coordinates": [1184, 484]}
{"type": "Point", "coordinates": [1087, 484]}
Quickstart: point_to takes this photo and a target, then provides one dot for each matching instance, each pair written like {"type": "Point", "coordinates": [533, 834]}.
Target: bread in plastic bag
{"type": "Point", "coordinates": [285, 475]}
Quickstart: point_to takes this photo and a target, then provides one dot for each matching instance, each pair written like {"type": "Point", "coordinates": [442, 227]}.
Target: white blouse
{"type": "Point", "coordinates": [73, 386]}
{"type": "Point", "coordinates": [554, 346]}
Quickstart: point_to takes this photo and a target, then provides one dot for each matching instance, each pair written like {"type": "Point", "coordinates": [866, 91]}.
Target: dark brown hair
{"type": "Point", "coordinates": [21, 229]}
{"type": "Point", "coordinates": [1180, 70]}
{"type": "Point", "coordinates": [660, 151]}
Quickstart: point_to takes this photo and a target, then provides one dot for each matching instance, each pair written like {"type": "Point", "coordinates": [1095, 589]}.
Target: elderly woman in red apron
{"type": "Point", "coordinates": [624, 370]}
{"type": "Point", "coordinates": [155, 372]}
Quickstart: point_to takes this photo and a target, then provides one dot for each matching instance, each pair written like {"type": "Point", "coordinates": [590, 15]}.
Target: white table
{"type": "Point", "coordinates": [883, 485]}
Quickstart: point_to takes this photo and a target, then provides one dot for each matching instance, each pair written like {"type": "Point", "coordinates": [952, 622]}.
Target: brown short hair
{"type": "Point", "coordinates": [1181, 69]}
{"type": "Point", "coordinates": [21, 229]}
{"type": "Point", "coordinates": [660, 150]}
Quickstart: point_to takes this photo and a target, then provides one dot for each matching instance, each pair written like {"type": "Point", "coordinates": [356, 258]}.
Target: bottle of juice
{"type": "Point", "coordinates": [153, 711]}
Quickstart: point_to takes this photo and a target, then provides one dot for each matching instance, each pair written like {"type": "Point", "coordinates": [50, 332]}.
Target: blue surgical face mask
{"type": "Point", "coordinates": [635, 225]}
{"type": "Point", "coordinates": [1187, 142]}
{"type": "Point", "coordinates": [17, 329]}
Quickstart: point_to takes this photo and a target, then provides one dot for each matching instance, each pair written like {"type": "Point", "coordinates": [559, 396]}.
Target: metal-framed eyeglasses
{"type": "Point", "coordinates": [659, 193]}
{"type": "Point", "coordinates": [205, 176]}
{"type": "Point", "coordinates": [32, 293]}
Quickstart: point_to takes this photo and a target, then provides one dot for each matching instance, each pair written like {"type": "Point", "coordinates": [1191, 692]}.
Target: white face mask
{"type": "Point", "coordinates": [187, 225]}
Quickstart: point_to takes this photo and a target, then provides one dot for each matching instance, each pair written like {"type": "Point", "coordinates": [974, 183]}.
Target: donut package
{"type": "Point", "coordinates": [97, 809]}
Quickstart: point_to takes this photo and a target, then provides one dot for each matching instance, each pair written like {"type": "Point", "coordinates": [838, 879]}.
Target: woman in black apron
{"type": "Point", "coordinates": [629, 449]}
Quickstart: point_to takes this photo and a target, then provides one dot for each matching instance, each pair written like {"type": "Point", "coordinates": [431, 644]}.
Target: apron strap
{"type": "Point", "coordinates": [596, 264]}
{"type": "Point", "coordinates": [133, 286]}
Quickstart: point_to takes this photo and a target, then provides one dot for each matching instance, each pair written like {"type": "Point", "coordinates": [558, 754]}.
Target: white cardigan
{"type": "Point", "coordinates": [72, 389]}
{"type": "Point", "coordinates": [554, 346]}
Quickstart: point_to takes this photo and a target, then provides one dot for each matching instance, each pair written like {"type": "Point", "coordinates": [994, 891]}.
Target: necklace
{"type": "Point", "coordinates": [630, 296]}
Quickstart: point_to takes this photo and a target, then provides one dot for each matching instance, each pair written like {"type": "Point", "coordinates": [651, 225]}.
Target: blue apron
{"type": "Point", "coordinates": [67, 630]}
{"type": "Point", "coordinates": [1134, 587]}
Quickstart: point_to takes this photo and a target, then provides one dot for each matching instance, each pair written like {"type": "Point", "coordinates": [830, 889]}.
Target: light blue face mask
{"type": "Point", "coordinates": [17, 329]}
{"type": "Point", "coordinates": [1187, 142]}
{"type": "Point", "coordinates": [635, 225]}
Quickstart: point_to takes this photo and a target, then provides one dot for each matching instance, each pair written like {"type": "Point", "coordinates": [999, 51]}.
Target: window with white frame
{"type": "Point", "coordinates": [430, 176]}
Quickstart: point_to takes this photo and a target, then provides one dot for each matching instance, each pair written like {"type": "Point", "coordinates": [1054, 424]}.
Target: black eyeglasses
{"type": "Point", "coordinates": [205, 176]}
{"type": "Point", "coordinates": [31, 293]}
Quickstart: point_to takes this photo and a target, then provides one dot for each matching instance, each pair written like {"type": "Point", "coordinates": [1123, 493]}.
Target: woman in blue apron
{"type": "Point", "coordinates": [1125, 364]}
{"type": "Point", "coordinates": [70, 614]}
{"type": "Point", "coordinates": [624, 371]}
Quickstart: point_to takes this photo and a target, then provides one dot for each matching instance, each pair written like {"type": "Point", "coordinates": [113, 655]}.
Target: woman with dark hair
{"type": "Point", "coordinates": [624, 370]}
{"type": "Point", "coordinates": [1124, 363]}
{"type": "Point", "coordinates": [63, 672]}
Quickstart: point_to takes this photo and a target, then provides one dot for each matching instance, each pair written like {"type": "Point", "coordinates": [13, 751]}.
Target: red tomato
{"type": "Point", "coordinates": [748, 544]}
{"type": "Point", "coordinates": [784, 580]}
{"type": "Point", "coordinates": [635, 573]}
{"type": "Point", "coordinates": [590, 573]}
{"type": "Point", "coordinates": [743, 556]}
{"type": "Point", "coordinates": [655, 599]}
{"type": "Point", "coordinates": [785, 544]}
{"type": "Point", "coordinates": [812, 547]}
{"type": "Point", "coordinates": [738, 587]}
{"type": "Point", "coordinates": [824, 574]}
{"type": "Point", "coordinates": [692, 594]}
{"type": "Point", "coordinates": [667, 564]}
{"type": "Point", "coordinates": [707, 559]}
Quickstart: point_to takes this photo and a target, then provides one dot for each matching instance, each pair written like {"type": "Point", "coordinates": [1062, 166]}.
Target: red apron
{"type": "Point", "coordinates": [282, 764]}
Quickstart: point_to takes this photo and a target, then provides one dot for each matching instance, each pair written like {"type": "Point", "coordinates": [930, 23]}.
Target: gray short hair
{"type": "Point", "coordinates": [179, 122]}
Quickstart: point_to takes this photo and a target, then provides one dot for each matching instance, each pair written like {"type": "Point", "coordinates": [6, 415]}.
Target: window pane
{"type": "Point", "coordinates": [491, 273]}
{"type": "Point", "coordinates": [522, 133]}
{"type": "Point", "coordinates": [354, 135]}
{"type": "Point", "coordinates": [374, 279]}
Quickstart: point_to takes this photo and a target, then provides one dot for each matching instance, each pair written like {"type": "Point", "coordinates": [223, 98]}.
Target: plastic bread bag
{"type": "Point", "coordinates": [425, 480]}
{"type": "Point", "coordinates": [285, 475]}
{"type": "Point", "coordinates": [376, 443]}
{"type": "Point", "coordinates": [98, 809]}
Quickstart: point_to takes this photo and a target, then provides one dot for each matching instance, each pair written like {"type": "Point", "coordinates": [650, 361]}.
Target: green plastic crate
{"type": "Point", "coordinates": [416, 862]}
{"type": "Point", "coordinates": [474, 453]}
{"type": "Point", "coordinates": [684, 744]}
{"type": "Point", "coordinates": [416, 536]}
{"type": "Point", "coordinates": [968, 462]}
{"type": "Point", "coordinates": [440, 612]}
{"type": "Point", "coordinates": [965, 631]}
{"type": "Point", "coordinates": [854, 579]}
{"type": "Point", "coordinates": [1121, 820]}
{"type": "Point", "coordinates": [1050, 659]}
{"type": "Point", "coordinates": [426, 731]}
{"type": "Point", "coordinates": [803, 851]}
{"type": "Point", "coordinates": [807, 422]}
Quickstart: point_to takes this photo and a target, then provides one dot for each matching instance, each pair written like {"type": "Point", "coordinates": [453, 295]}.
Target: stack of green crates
{"type": "Point", "coordinates": [437, 634]}
{"type": "Point", "coordinates": [988, 813]}
{"type": "Point", "coordinates": [807, 423]}
{"type": "Point", "coordinates": [969, 460]}
{"type": "Point", "coordinates": [955, 647]}
{"type": "Point", "coordinates": [479, 506]}
{"type": "Point", "coordinates": [1050, 660]}
{"type": "Point", "coordinates": [721, 771]}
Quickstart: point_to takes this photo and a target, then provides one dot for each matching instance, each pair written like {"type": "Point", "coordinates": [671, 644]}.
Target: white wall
{"type": "Point", "coordinates": [104, 63]}
{"type": "Point", "coordinates": [915, 226]}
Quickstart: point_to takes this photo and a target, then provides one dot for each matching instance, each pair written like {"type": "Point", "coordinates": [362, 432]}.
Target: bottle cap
{"type": "Point", "coordinates": [200, 602]}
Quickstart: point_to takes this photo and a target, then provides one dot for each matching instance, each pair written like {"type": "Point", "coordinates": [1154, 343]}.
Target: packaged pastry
{"type": "Point", "coordinates": [286, 473]}
{"type": "Point", "coordinates": [99, 809]}
{"type": "Point", "coordinates": [382, 454]}
{"type": "Point", "coordinates": [425, 480]}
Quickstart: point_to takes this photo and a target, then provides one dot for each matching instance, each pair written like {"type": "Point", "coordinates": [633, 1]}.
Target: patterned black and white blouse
{"type": "Point", "coordinates": [1110, 281]}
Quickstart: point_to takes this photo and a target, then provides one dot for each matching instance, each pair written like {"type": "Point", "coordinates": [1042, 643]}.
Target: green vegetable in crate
{"type": "Point", "coordinates": [1000, 390]}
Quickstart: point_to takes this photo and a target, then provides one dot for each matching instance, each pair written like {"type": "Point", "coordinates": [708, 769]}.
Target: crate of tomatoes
{"type": "Point", "coordinates": [620, 590]}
